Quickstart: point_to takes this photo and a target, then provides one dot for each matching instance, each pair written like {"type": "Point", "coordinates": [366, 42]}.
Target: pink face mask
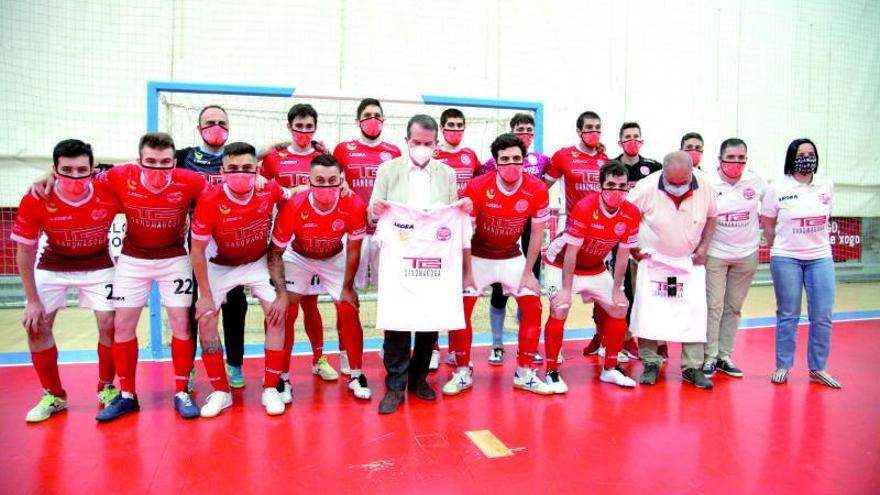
{"type": "Point", "coordinates": [696, 156]}
{"type": "Point", "coordinates": [325, 195]}
{"type": "Point", "coordinates": [613, 197]}
{"type": "Point", "coordinates": [591, 139]}
{"type": "Point", "coordinates": [371, 128]}
{"type": "Point", "coordinates": [526, 138]}
{"type": "Point", "coordinates": [156, 178]}
{"type": "Point", "coordinates": [240, 182]}
{"type": "Point", "coordinates": [453, 137]}
{"type": "Point", "coordinates": [215, 135]}
{"type": "Point", "coordinates": [631, 147]}
{"type": "Point", "coordinates": [734, 170]}
{"type": "Point", "coordinates": [510, 173]}
{"type": "Point", "coordinates": [72, 187]}
{"type": "Point", "coordinates": [302, 139]}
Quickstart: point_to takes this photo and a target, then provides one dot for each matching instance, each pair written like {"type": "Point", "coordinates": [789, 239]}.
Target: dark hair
{"type": "Point", "coordinates": [521, 118]}
{"type": "Point", "coordinates": [325, 161]}
{"type": "Point", "coordinates": [791, 153]}
{"type": "Point", "coordinates": [423, 120]}
{"type": "Point", "coordinates": [589, 114]}
{"type": "Point", "coordinates": [691, 135]}
{"type": "Point", "coordinates": [367, 102]}
{"type": "Point", "coordinates": [72, 148]}
{"type": "Point", "coordinates": [238, 149]}
{"type": "Point", "coordinates": [218, 107]}
{"type": "Point", "coordinates": [614, 168]}
{"type": "Point", "coordinates": [629, 125]}
{"type": "Point", "coordinates": [731, 142]}
{"type": "Point", "coordinates": [302, 110]}
{"type": "Point", "coordinates": [450, 113]}
{"type": "Point", "coordinates": [156, 140]}
{"type": "Point", "coordinates": [505, 141]}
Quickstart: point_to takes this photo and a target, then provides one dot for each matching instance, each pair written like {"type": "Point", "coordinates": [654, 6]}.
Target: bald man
{"type": "Point", "coordinates": [678, 219]}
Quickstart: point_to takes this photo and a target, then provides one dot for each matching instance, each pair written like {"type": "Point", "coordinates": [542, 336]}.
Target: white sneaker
{"type": "Point", "coordinates": [323, 369]}
{"type": "Point", "coordinates": [272, 402]}
{"type": "Point", "coordinates": [358, 385]}
{"type": "Point", "coordinates": [461, 380]}
{"type": "Point", "coordinates": [556, 383]}
{"type": "Point", "coordinates": [217, 401]}
{"type": "Point", "coordinates": [435, 360]}
{"type": "Point", "coordinates": [527, 379]}
{"type": "Point", "coordinates": [48, 405]}
{"type": "Point", "coordinates": [622, 357]}
{"type": "Point", "coordinates": [344, 368]}
{"type": "Point", "coordinates": [450, 359]}
{"type": "Point", "coordinates": [616, 377]}
{"type": "Point", "coordinates": [496, 358]}
{"type": "Point", "coordinates": [286, 392]}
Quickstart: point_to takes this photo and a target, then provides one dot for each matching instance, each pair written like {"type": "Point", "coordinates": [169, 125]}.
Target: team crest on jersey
{"type": "Point", "coordinates": [337, 225]}
{"type": "Point", "coordinates": [51, 208]}
{"type": "Point", "coordinates": [600, 162]}
{"type": "Point", "coordinates": [748, 193]}
{"type": "Point", "coordinates": [490, 193]}
{"type": "Point", "coordinates": [619, 228]}
{"type": "Point", "coordinates": [645, 170]}
{"type": "Point", "coordinates": [532, 159]}
{"type": "Point", "coordinates": [521, 206]}
{"type": "Point", "coordinates": [132, 185]}
{"type": "Point", "coordinates": [444, 234]}
{"type": "Point", "coordinates": [466, 160]}
{"type": "Point", "coordinates": [351, 146]}
{"type": "Point", "coordinates": [824, 199]}
{"type": "Point", "coordinates": [225, 210]}
{"type": "Point", "coordinates": [385, 156]}
{"type": "Point", "coordinates": [99, 214]}
{"type": "Point", "coordinates": [175, 197]}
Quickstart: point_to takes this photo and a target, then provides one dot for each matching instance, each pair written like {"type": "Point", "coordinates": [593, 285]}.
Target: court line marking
{"type": "Point", "coordinates": [490, 445]}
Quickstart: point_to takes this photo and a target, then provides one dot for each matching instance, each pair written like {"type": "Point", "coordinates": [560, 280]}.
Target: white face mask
{"type": "Point", "coordinates": [677, 191]}
{"type": "Point", "coordinates": [420, 154]}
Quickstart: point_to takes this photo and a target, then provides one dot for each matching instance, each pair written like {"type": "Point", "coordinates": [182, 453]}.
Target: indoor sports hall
{"type": "Point", "coordinates": [771, 79]}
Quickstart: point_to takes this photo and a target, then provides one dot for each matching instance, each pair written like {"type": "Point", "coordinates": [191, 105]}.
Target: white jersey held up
{"type": "Point", "coordinates": [420, 268]}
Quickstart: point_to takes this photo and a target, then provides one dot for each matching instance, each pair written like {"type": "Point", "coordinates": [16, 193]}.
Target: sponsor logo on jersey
{"type": "Point", "coordinates": [99, 214]}
{"type": "Point", "coordinates": [735, 216]}
{"type": "Point", "coordinates": [225, 210]}
{"type": "Point", "coordinates": [385, 156]}
{"type": "Point", "coordinates": [783, 199]}
{"type": "Point", "coordinates": [444, 234]}
{"type": "Point", "coordinates": [521, 206]}
{"type": "Point", "coordinates": [619, 228]}
{"type": "Point", "coordinates": [422, 267]}
{"type": "Point", "coordinates": [357, 155]}
{"type": "Point", "coordinates": [351, 146]}
{"type": "Point", "coordinates": [810, 221]}
{"type": "Point", "coordinates": [337, 225]}
{"type": "Point", "coordinates": [407, 226]}
{"type": "Point", "coordinates": [749, 193]}
{"type": "Point", "coordinates": [663, 288]}
{"type": "Point", "coordinates": [825, 199]}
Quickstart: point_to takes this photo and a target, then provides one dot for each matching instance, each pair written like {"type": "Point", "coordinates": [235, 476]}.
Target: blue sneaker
{"type": "Point", "coordinates": [236, 379]}
{"type": "Point", "coordinates": [118, 407]}
{"type": "Point", "coordinates": [184, 405]}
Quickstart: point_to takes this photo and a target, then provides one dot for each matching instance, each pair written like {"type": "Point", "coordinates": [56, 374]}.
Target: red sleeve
{"type": "Point", "coordinates": [279, 195]}
{"type": "Point", "coordinates": [26, 229]}
{"type": "Point", "coordinates": [358, 228]}
{"type": "Point", "coordinates": [557, 165]}
{"type": "Point", "coordinates": [395, 151]}
{"type": "Point", "coordinates": [114, 179]}
{"type": "Point", "coordinates": [338, 154]}
{"type": "Point", "coordinates": [284, 223]}
{"type": "Point", "coordinates": [576, 226]}
{"type": "Point", "coordinates": [471, 192]}
{"type": "Point", "coordinates": [267, 166]}
{"type": "Point", "coordinates": [541, 211]}
{"type": "Point", "coordinates": [203, 220]}
{"type": "Point", "coordinates": [197, 183]}
{"type": "Point", "coordinates": [476, 161]}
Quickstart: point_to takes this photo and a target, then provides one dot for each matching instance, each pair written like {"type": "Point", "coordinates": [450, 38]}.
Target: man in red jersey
{"type": "Point", "coordinates": [156, 199]}
{"type": "Point", "coordinates": [238, 218]}
{"type": "Point", "coordinates": [579, 164]}
{"type": "Point", "coordinates": [461, 158]}
{"type": "Point", "coordinates": [317, 220]}
{"type": "Point", "coordinates": [75, 218]}
{"type": "Point", "coordinates": [289, 167]}
{"type": "Point", "coordinates": [504, 200]}
{"type": "Point", "coordinates": [576, 264]}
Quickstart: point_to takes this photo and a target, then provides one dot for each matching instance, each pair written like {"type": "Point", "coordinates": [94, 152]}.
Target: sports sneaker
{"type": "Point", "coordinates": [48, 405]}
{"type": "Point", "coordinates": [450, 359]}
{"type": "Point", "coordinates": [496, 358]}
{"type": "Point", "coordinates": [461, 380]}
{"type": "Point", "coordinates": [434, 364]}
{"type": "Point", "coordinates": [617, 377]}
{"type": "Point", "coordinates": [191, 383]}
{"type": "Point", "coordinates": [696, 376]}
{"type": "Point", "coordinates": [217, 401]}
{"type": "Point", "coordinates": [779, 376]}
{"type": "Point", "coordinates": [555, 382]}
{"type": "Point", "coordinates": [709, 368]}
{"type": "Point", "coordinates": [271, 400]}
{"type": "Point", "coordinates": [622, 357]}
{"type": "Point", "coordinates": [107, 394]}
{"type": "Point", "coordinates": [631, 348]}
{"type": "Point", "coordinates": [323, 369]}
{"type": "Point", "coordinates": [185, 407]}
{"type": "Point", "coordinates": [824, 378]}
{"type": "Point", "coordinates": [537, 359]}
{"type": "Point", "coordinates": [527, 379]}
{"type": "Point", "coordinates": [649, 374]}
{"type": "Point", "coordinates": [358, 385]}
{"type": "Point", "coordinates": [727, 367]}
{"type": "Point", "coordinates": [285, 390]}
{"type": "Point", "coordinates": [118, 407]}
{"type": "Point", "coordinates": [344, 367]}
{"type": "Point", "coordinates": [235, 376]}
{"type": "Point", "coordinates": [593, 347]}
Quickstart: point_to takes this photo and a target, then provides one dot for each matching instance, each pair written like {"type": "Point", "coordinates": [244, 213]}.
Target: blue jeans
{"type": "Point", "coordinates": [817, 277]}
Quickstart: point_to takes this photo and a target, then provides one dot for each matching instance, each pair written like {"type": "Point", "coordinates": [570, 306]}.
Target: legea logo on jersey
{"type": "Point", "coordinates": [303, 215]}
{"type": "Point", "coordinates": [490, 193]}
{"type": "Point", "coordinates": [225, 210]}
{"type": "Point", "coordinates": [418, 267]}
{"type": "Point", "coordinates": [351, 146]}
{"type": "Point", "coordinates": [51, 207]}
{"type": "Point", "coordinates": [282, 154]}
{"type": "Point", "coordinates": [131, 184]}
{"type": "Point", "coordinates": [198, 155]}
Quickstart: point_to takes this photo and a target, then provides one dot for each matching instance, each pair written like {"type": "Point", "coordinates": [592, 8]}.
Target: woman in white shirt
{"type": "Point", "coordinates": [797, 208]}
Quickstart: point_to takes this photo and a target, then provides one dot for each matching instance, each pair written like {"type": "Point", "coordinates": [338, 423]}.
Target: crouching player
{"type": "Point", "coordinates": [575, 262]}
{"type": "Point", "coordinates": [239, 219]}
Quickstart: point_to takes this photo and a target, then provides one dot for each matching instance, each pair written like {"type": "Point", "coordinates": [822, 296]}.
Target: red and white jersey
{"type": "Point", "coordinates": [287, 167]}
{"type": "Point", "coordinates": [580, 170]}
{"type": "Point", "coordinates": [501, 216]}
{"type": "Point", "coordinates": [463, 161]}
{"type": "Point", "coordinates": [76, 233]}
{"type": "Point", "coordinates": [737, 232]}
{"type": "Point", "coordinates": [156, 223]}
{"type": "Point", "coordinates": [802, 213]}
{"type": "Point", "coordinates": [240, 229]}
{"type": "Point", "coordinates": [318, 234]}
{"type": "Point", "coordinates": [594, 233]}
{"type": "Point", "coordinates": [360, 163]}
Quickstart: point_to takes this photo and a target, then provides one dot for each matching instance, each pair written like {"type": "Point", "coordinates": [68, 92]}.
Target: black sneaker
{"type": "Point", "coordinates": [696, 376]}
{"type": "Point", "coordinates": [709, 368]}
{"type": "Point", "coordinates": [726, 366]}
{"type": "Point", "coordinates": [649, 375]}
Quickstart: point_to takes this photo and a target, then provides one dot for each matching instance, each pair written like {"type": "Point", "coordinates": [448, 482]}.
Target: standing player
{"type": "Point", "coordinates": [576, 264]}
{"type": "Point", "coordinates": [504, 201]}
{"type": "Point", "coordinates": [75, 218]}
{"type": "Point", "coordinates": [692, 144]}
{"type": "Point", "coordinates": [317, 220]}
{"type": "Point", "coordinates": [579, 164]}
{"type": "Point", "coordinates": [238, 218]}
{"type": "Point", "coordinates": [289, 167]}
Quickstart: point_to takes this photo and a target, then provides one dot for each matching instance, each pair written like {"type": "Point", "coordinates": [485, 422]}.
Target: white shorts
{"type": "Point", "coordinates": [315, 288]}
{"type": "Point", "coordinates": [131, 286]}
{"type": "Point", "coordinates": [300, 272]}
{"type": "Point", "coordinates": [507, 272]}
{"type": "Point", "coordinates": [368, 268]}
{"type": "Point", "coordinates": [254, 275]}
{"type": "Point", "coordinates": [95, 289]}
{"type": "Point", "coordinates": [592, 288]}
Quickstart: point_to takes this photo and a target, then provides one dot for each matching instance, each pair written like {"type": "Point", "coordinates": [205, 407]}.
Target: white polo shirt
{"type": "Point", "coordinates": [802, 213]}
{"type": "Point", "coordinates": [669, 230]}
{"type": "Point", "coordinates": [738, 231]}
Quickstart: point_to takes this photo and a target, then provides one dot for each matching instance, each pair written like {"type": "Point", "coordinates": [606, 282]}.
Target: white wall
{"type": "Point", "coordinates": [764, 71]}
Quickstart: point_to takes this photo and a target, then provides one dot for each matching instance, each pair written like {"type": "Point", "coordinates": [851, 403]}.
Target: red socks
{"type": "Point", "coordinates": [553, 331]}
{"type": "Point", "coordinates": [125, 356]}
{"type": "Point", "coordinates": [460, 341]}
{"type": "Point", "coordinates": [613, 332]}
{"type": "Point", "coordinates": [275, 360]}
{"type": "Point", "coordinates": [216, 370]}
{"type": "Point", "coordinates": [46, 364]}
{"type": "Point", "coordinates": [106, 369]}
{"type": "Point", "coordinates": [352, 333]}
{"type": "Point", "coordinates": [314, 325]}
{"type": "Point", "coordinates": [289, 322]}
{"type": "Point", "coordinates": [529, 329]}
{"type": "Point", "coordinates": [183, 361]}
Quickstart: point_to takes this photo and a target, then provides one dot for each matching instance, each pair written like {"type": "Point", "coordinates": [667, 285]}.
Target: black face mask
{"type": "Point", "coordinates": [806, 164]}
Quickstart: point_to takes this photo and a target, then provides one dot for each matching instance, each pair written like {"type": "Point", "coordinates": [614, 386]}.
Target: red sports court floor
{"type": "Point", "coordinates": [747, 436]}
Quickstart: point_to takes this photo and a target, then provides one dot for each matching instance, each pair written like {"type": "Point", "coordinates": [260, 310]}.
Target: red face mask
{"type": "Point", "coordinates": [215, 135]}
{"type": "Point", "coordinates": [631, 147]}
{"type": "Point", "coordinates": [72, 187]}
{"type": "Point", "coordinates": [696, 156]}
{"type": "Point", "coordinates": [510, 172]}
{"type": "Point", "coordinates": [734, 170]}
{"type": "Point", "coordinates": [453, 137]}
{"type": "Point", "coordinates": [240, 182]}
{"type": "Point", "coordinates": [526, 138]}
{"type": "Point", "coordinates": [591, 138]}
{"type": "Point", "coordinates": [156, 178]}
{"type": "Point", "coordinates": [371, 128]}
{"type": "Point", "coordinates": [325, 194]}
{"type": "Point", "coordinates": [302, 139]}
{"type": "Point", "coordinates": [613, 197]}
